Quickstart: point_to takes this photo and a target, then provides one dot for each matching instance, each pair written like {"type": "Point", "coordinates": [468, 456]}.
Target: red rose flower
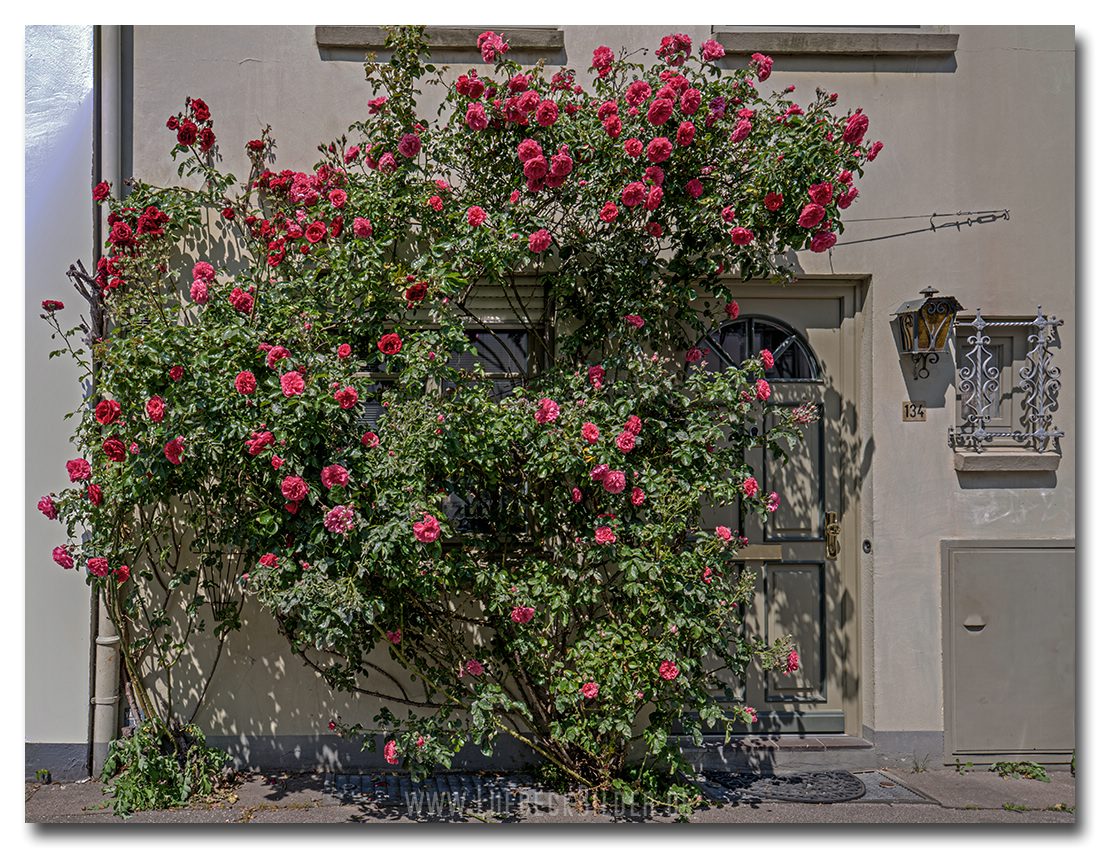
{"type": "Point", "coordinates": [47, 507]}
{"type": "Point", "coordinates": [668, 670]}
{"type": "Point", "coordinates": [292, 384]}
{"type": "Point", "coordinates": [772, 201]}
{"type": "Point", "coordinates": [539, 241]}
{"type": "Point", "coordinates": [101, 192]}
{"type": "Point", "coordinates": [369, 440]}
{"type": "Point", "coordinates": [52, 305]}
{"type": "Point", "coordinates": [122, 573]}
{"type": "Point", "coordinates": [241, 301]}
{"type": "Point", "coordinates": [741, 236]}
{"type": "Point", "coordinates": [114, 449]}
{"type": "Point", "coordinates": [107, 412]}
{"type": "Point", "coordinates": [154, 408]}
{"type": "Point", "coordinates": [187, 134]}
{"type": "Point", "coordinates": [98, 566]}
{"type": "Point", "coordinates": [315, 232]}
{"type": "Point", "coordinates": [475, 216]}
{"type": "Point", "coordinates": [269, 561]}
{"type": "Point", "coordinates": [245, 382]}
{"type": "Point", "coordinates": [605, 535]}
{"type": "Point", "coordinates": [390, 344]}
{"type": "Point", "coordinates": [78, 469]}
{"type": "Point", "coordinates": [173, 451]}
{"type": "Point", "coordinates": [294, 488]}
{"type": "Point", "coordinates": [347, 397]}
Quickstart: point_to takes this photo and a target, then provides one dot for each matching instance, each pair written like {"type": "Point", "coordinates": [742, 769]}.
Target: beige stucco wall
{"type": "Point", "coordinates": [59, 113]}
{"type": "Point", "coordinates": [994, 128]}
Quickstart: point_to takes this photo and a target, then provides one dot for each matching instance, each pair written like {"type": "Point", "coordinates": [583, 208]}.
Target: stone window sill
{"type": "Point", "coordinates": [1016, 461]}
{"type": "Point", "coordinates": [537, 39]}
{"type": "Point", "coordinates": [838, 43]}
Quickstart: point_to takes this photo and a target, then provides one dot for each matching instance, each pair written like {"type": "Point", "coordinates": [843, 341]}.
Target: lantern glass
{"type": "Point", "coordinates": [926, 324]}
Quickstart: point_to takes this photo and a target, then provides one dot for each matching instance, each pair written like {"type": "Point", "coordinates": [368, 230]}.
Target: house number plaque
{"type": "Point", "coordinates": [913, 411]}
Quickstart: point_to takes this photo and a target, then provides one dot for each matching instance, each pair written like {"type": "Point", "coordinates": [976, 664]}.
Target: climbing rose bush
{"type": "Point", "coordinates": [529, 548]}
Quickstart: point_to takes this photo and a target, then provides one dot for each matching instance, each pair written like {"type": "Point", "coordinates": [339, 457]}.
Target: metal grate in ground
{"type": "Point", "coordinates": [884, 788]}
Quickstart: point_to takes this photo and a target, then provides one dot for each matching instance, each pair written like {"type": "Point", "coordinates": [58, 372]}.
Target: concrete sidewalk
{"type": "Point", "coordinates": [940, 797]}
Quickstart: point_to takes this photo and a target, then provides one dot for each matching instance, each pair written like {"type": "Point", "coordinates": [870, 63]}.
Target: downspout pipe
{"type": "Point", "coordinates": [106, 165]}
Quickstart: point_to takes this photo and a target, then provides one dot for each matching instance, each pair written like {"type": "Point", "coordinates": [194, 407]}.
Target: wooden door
{"type": "Point", "coordinates": [801, 589]}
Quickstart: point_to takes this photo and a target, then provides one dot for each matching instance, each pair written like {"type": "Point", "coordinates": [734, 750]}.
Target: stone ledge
{"type": "Point", "coordinates": [834, 43]}
{"type": "Point", "coordinates": [1019, 461]}
{"type": "Point", "coordinates": [547, 39]}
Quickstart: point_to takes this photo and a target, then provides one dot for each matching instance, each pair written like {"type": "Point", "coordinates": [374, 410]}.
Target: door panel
{"type": "Point", "coordinates": [798, 591]}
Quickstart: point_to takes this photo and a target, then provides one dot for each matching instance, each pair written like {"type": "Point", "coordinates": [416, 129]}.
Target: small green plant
{"type": "Point", "coordinates": [920, 764]}
{"type": "Point", "coordinates": [1016, 808]}
{"type": "Point", "coordinates": [1031, 771]}
{"type": "Point", "coordinates": [162, 766]}
{"type": "Point", "coordinates": [963, 768]}
{"type": "Point", "coordinates": [43, 776]}
{"type": "Point", "coordinates": [1062, 808]}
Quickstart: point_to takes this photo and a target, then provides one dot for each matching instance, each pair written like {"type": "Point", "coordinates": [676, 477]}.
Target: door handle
{"type": "Point", "coordinates": [832, 536]}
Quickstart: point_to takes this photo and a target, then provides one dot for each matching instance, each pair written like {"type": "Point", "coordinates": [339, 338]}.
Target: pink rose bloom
{"type": "Point", "coordinates": [269, 560]}
{"type": "Point", "coordinates": [199, 293]}
{"type": "Point", "coordinates": [474, 668]}
{"type": "Point", "coordinates": [690, 101]}
{"type": "Point", "coordinates": [476, 119]}
{"type": "Point", "coordinates": [693, 355]}
{"type": "Point", "coordinates": [609, 212]}
{"type": "Point", "coordinates": [245, 382]}
{"type": "Point", "coordinates": [750, 487]}
{"type": "Point", "coordinates": [723, 533]}
{"type": "Point", "coordinates": [658, 151]}
{"type": "Point", "coordinates": [768, 359]}
{"type": "Point", "coordinates": [773, 501]}
{"type": "Point", "coordinates": [741, 236]}
{"type": "Point", "coordinates": [292, 383]}
{"type": "Point", "coordinates": [539, 241]}
{"type": "Point", "coordinates": [763, 65]}
{"type": "Point", "coordinates": [633, 148]}
{"type": "Point", "coordinates": [369, 440]}
{"type": "Point", "coordinates": [633, 194]}
{"type": "Point", "coordinates": [812, 215]}
{"type": "Point", "coordinates": [277, 354]}
{"type": "Point", "coordinates": [873, 150]}
{"type": "Point", "coordinates": [741, 131]}
{"type": "Point", "coordinates": [598, 472]}
{"type": "Point", "coordinates": [338, 197]}
{"type": "Point", "coordinates": [633, 425]}
{"type": "Point", "coordinates": [173, 451]}
{"type": "Point", "coordinates": [294, 488]}
{"type": "Point", "coordinates": [668, 670]}
{"type": "Point", "coordinates": [491, 45]}
{"type": "Point", "coordinates": [635, 321]}
{"type": "Point", "coordinates": [637, 496]}
{"type": "Point", "coordinates": [241, 301]}
{"type": "Point", "coordinates": [347, 397]}
{"type": "Point", "coordinates": [561, 164]}
{"type": "Point", "coordinates": [203, 272]}
{"type": "Point", "coordinates": [602, 57]}
{"type": "Point", "coordinates": [624, 442]}
{"type": "Point", "coordinates": [547, 411]}
{"type": "Point", "coordinates": [855, 128]}
{"type": "Point", "coordinates": [389, 751]}
{"type": "Point", "coordinates": [712, 50]}
{"type": "Point", "coordinates": [426, 531]}
{"type": "Point", "coordinates": [47, 508]}
{"type": "Point", "coordinates": [522, 615]}
{"type": "Point", "coordinates": [605, 535]}
{"type": "Point", "coordinates": [546, 113]}
{"type": "Point", "coordinates": [752, 714]}
{"type": "Point", "coordinates": [638, 92]}
{"type": "Point", "coordinates": [334, 475]}
{"type": "Point", "coordinates": [694, 188]}
{"type": "Point", "coordinates": [596, 373]}
{"type": "Point", "coordinates": [614, 481]}
{"type": "Point", "coordinates": [344, 351]}
{"type": "Point", "coordinates": [394, 636]}
{"type": "Point", "coordinates": [772, 201]}
{"type": "Point", "coordinates": [362, 228]}
{"type": "Point", "coordinates": [475, 216]}
{"type": "Point", "coordinates": [590, 433]}
{"type": "Point", "coordinates": [763, 390]}
{"type": "Point", "coordinates": [98, 566]}
{"type": "Point", "coordinates": [845, 200]}
{"type": "Point", "coordinates": [340, 520]}
{"type": "Point", "coordinates": [822, 241]}
{"type": "Point", "coordinates": [528, 149]}
{"type": "Point", "coordinates": [660, 110]}
{"type": "Point", "coordinates": [62, 556]}
{"type": "Point", "coordinates": [259, 441]}
{"type": "Point", "coordinates": [387, 164]}
{"type": "Point", "coordinates": [576, 495]}
{"type": "Point", "coordinates": [733, 310]}
{"type": "Point", "coordinates": [792, 662]}
{"type": "Point", "coordinates": [821, 193]}
{"type": "Point", "coordinates": [590, 690]}
{"type": "Point", "coordinates": [409, 145]}
{"type": "Point", "coordinates": [654, 198]}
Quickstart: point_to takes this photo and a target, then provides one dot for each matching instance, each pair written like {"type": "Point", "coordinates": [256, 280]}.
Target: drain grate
{"type": "Point", "coordinates": [885, 788]}
{"type": "Point", "coordinates": [818, 787]}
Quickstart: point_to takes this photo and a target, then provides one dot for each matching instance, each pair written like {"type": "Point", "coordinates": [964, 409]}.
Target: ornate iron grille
{"type": "Point", "coordinates": [1038, 382]}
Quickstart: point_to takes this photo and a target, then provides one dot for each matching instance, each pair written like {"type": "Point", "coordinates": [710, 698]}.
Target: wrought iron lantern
{"type": "Point", "coordinates": [925, 328]}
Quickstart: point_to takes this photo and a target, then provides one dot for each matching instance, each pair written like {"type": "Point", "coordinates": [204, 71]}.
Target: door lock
{"type": "Point", "coordinates": [832, 536]}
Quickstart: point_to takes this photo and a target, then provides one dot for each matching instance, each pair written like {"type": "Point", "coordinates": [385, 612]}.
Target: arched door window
{"type": "Point", "coordinates": [736, 341]}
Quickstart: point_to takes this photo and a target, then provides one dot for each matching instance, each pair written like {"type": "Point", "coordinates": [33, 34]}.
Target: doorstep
{"type": "Point", "coordinates": [784, 752]}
